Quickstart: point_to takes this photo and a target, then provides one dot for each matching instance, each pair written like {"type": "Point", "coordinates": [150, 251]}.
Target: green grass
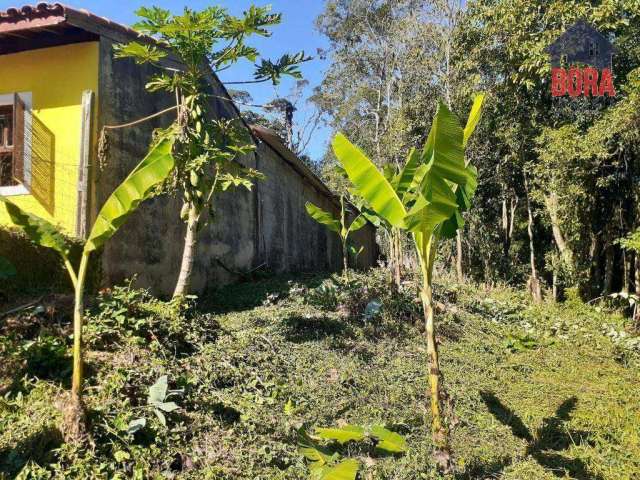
{"type": "Point", "coordinates": [539, 392]}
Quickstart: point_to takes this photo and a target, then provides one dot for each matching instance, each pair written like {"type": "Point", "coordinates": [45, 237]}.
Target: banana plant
{"type": "Point", "coordinates": [426, 198]}
{"type": "Point", "coordinates": [136, 188]}
{"type": "Point", "coordinates": [340, 227]}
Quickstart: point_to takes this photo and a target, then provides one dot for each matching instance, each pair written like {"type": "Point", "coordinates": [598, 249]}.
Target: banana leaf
{"type": "Point", "coordinates": [39, 230]}
{"type": "Point", "coordinates": [369, 182]}
{"type": "Point", "coordinates": [323, 217]}
{"type": "Point", "coordinates": [137, 187]}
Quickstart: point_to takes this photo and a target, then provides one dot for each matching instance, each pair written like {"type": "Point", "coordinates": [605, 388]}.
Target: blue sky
{"type": "Point", "coordinates": [295, 33]}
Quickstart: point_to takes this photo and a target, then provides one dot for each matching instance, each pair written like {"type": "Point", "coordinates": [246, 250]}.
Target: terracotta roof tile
{"type": "Point", "coordinates": [41, 15]}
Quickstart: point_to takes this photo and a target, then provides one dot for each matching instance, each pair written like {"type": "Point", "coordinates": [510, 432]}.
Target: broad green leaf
{"type": "Point", "coordinates": [405, 178]}
{"type": "Point", "coordinates": [37, 229]}
{"type": "Point", "coordinates": [323, 217]}
{"type": "Point", "coordinates": [167, 406]}
{"type": "Point", "coordinates": [315, 455]}
{"type": "Point", "coordinates": [153, 169]}
{"type": "Point", "coordinates": [6, 269]}
{"type": "Point", "coordinates": [345, 470]}
{"type": "Point", "coordinates": [474, 118]}
{"type": "Point", "coordinates": [359, 222]}
{"type": "Point", "coordinates": [389, 441]}
{"type": "Point", "coordinates": [369, 182]}
{"type": "Point", "coordinates": [464, 193]}
{"type": "Point", "coordinates": [435, 204]}
{"type": "Point", "coordinates": [136, 424]}
{"type": "Point", "coordinates": [158, 391]}
{"type": "Point", "coordinates": [161, 417]}
{"type": "Point", "coordinates": [342, 435]}
{"type": "Point", "coordinates": [444, 149]}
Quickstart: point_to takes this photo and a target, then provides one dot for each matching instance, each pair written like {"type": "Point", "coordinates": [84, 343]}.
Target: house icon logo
{"type": "Point", "coordinates": [581, 61]}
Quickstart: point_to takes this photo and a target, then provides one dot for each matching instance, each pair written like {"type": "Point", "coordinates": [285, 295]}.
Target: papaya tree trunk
{"type": "Point", "coordinates": [439, 430]}
{"type": "Point", "coordinates": [188, 254]}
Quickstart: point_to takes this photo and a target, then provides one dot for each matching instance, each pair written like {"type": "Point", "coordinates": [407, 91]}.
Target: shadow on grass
{"type": "Point", "coordinates": [544, 445]}
{"type": "Point", "coordinates": [251, 294]}
{"type": "Point", "coordinates": [300, 329]}
{"type": "Point", "coordinates": [37, 447]}
{"type": "Point", "coordinates": [45, 357]}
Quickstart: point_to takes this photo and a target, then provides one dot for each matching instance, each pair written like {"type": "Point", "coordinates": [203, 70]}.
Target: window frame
{"type": "Point", "coordinates": [23, 188]}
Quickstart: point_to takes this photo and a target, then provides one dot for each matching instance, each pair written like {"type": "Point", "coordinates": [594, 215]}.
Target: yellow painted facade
{"type": "Point", "coordinates": [56, 78]}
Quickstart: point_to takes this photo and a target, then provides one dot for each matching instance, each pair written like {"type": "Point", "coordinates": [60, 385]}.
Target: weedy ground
{"type": "Point", "coordinates": [539, 392]}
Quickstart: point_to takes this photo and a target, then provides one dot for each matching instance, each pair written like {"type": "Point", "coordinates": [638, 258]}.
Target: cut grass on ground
{"type": "Point", "coordinates": [539, 392]}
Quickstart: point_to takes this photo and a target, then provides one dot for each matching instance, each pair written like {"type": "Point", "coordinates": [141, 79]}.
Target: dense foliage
{"type": "Point", "coordinates": [279, 359]}
{"type": "Point", "coordinates": [559, 178]}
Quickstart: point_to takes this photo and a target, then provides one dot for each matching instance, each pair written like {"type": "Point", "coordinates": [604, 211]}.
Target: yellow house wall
{"type": "Point", "coordinates": [56, 78]}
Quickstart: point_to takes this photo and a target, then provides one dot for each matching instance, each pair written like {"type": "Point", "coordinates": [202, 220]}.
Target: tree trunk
{"type": "Point", "coordinates": [608, 270]}
{"type": "Point", "coordinates": [459, 271]}
{"type": "Point", "coordinates": [534, 281]}
{"type": "Point", "coordinates": [637, 274]}
{"type": "Point", "coordinates": [626, 270]}
{"type": "Point", "coordinates": [551, 202]}
{"type": "Point", "coordinates": [188, 254]}
{"type": "Point", "coordinates": [594, 272]}
{"type": "Point", "coordinates": [637, 289]}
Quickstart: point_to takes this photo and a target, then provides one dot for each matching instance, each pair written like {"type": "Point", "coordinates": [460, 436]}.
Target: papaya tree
{"type": "Point", "coordinates": [339, 226]}
{"type": "Point", "coordinates": [137, 187]}
{"type": "Point", "coordinates": [205, 41]}
{"type": "Point", "coordinates": [426, 198]}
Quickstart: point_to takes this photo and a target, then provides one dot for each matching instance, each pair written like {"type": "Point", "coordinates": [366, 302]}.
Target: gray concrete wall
{"type": "Point", "coordinates": [267, 227]}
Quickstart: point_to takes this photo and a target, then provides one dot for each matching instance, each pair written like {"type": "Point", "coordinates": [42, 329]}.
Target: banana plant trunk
{"type": "Point", "coordinates": [459, 270]}
{"type": "Point", "coordinates": [75, 412]}
{"type": "Point", "coordinates": [189, 252]}
{"type": "Point", "coordinates": [439, 430]}
{"type": "Point", "coordinates": [345, 259]}
{"type": "Point", "coordinates": [397, 257]}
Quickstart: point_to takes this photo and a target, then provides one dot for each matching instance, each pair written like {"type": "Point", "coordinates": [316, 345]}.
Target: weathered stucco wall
{"type": "Point", "coordinates": [267, 227]}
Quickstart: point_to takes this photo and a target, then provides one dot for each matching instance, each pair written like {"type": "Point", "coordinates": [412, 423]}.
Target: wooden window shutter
{"type": "Point", "coordinates": [18, 138]}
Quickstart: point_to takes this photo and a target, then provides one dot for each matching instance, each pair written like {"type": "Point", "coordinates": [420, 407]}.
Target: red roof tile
{"type": "Point", "coordinates": [44, 15]}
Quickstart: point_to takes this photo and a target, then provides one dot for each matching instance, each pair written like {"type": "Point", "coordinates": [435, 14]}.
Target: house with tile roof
{"type": "Point", "coordinates": [60, 85]}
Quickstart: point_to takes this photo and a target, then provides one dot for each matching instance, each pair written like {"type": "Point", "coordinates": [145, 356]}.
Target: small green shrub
{"type": "Point", "coordinates": [128, 315]}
